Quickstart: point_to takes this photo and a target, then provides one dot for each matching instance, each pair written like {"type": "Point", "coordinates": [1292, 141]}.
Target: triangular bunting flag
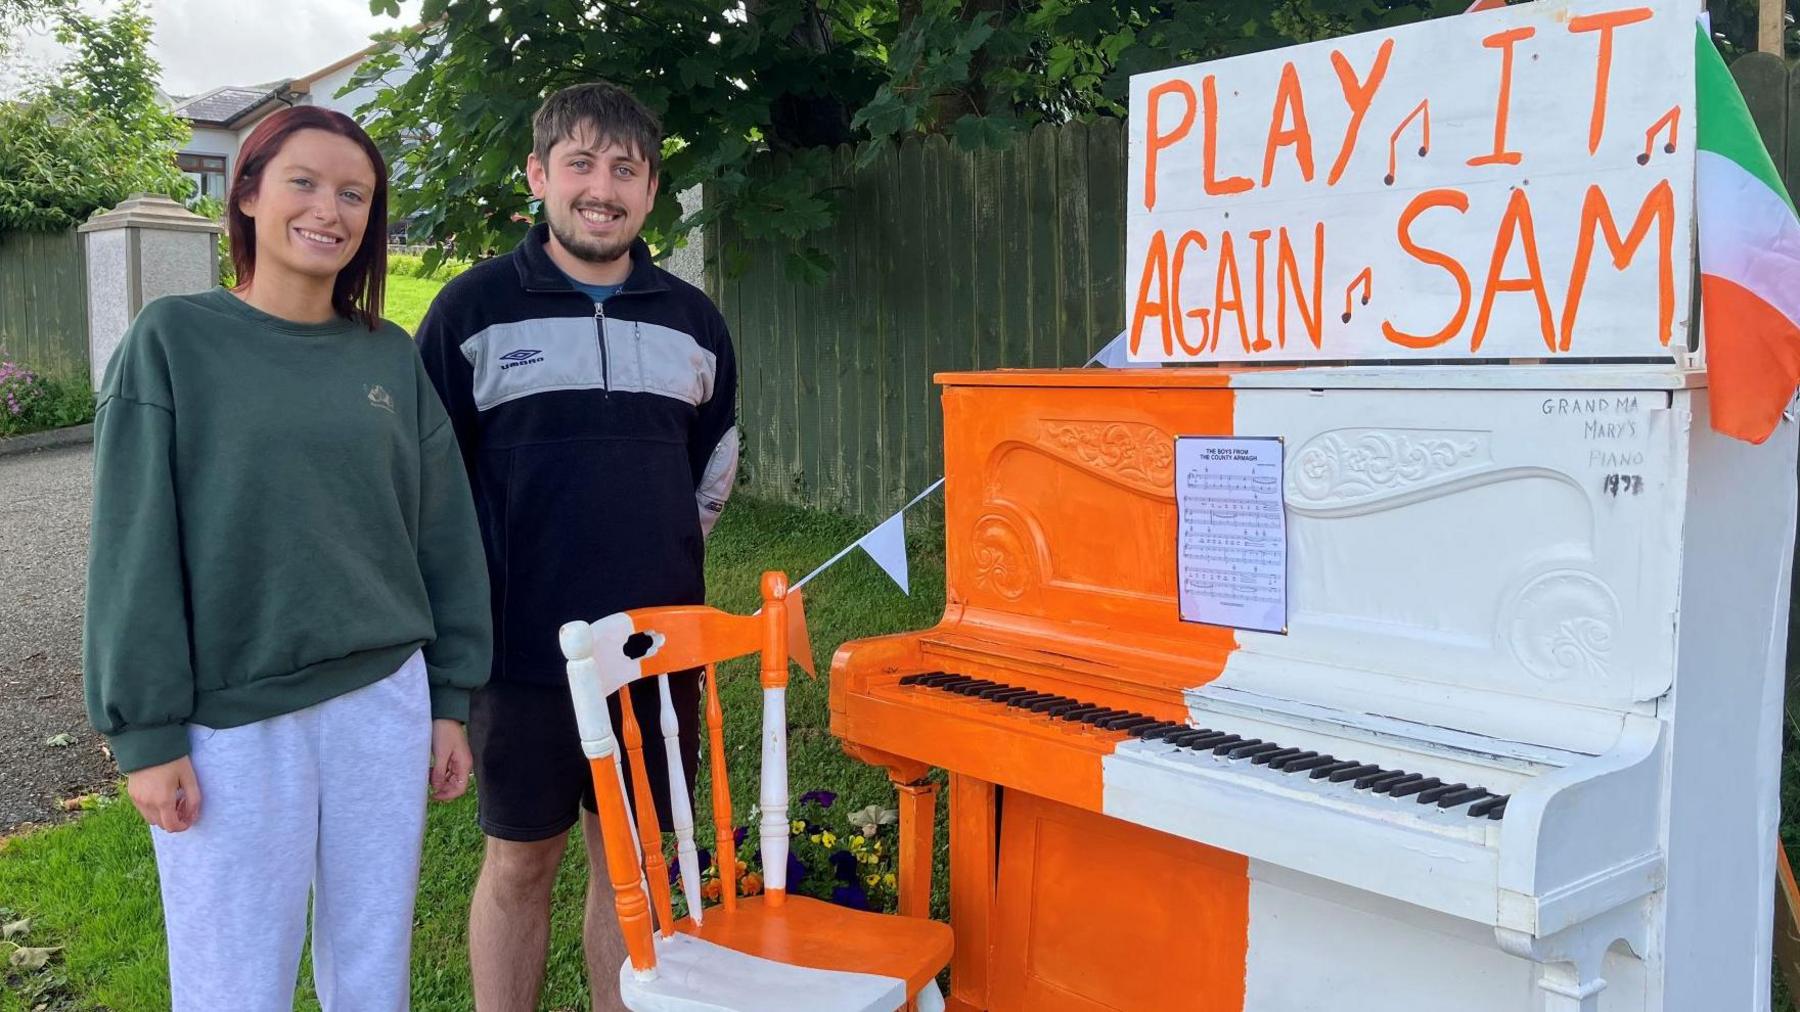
{"type": "Point", "coordinates": [1749, 260]}
{"type": "Point", "coordinates": [886, 544]}
{"type": "Point", "coordinates": [1114, 356]}
{"type": "Point", "coordinates": [799, 640]}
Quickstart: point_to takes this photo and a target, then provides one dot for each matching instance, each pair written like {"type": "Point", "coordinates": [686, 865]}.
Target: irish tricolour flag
{"type": "Point", "coordinates": [1749, 260]}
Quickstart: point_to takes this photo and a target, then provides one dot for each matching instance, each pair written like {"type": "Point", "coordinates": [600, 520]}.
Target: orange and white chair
{"type": "Point", "coordinates": [775, 951]}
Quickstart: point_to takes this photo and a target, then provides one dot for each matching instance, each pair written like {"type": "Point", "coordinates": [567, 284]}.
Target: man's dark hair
{"type": "Point", "coordinates": [611, 111]}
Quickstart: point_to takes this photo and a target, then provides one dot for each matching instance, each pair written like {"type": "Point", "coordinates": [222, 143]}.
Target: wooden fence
{"type": "Point", "coordinates": [43, 302]}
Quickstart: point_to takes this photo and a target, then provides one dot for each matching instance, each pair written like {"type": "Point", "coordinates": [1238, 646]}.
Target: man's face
{"type": "Point", "coordinates": [595, 195]}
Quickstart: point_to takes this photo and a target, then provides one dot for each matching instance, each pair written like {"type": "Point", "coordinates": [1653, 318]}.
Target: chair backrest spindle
{"type": "Point", "coordinates": [774, 795]}
{"type": "Point", "coordinates": [725, 842]}
{"type": "Point", "coordinates": [681, 808]}
{"type": "Point", "coordinates": [648, 826]}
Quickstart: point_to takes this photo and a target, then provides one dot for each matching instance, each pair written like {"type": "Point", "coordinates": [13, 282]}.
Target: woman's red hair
{"type": "Point", "coordinates": [357, 292]}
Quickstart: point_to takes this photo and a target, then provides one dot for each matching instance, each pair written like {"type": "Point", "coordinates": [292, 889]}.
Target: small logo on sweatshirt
{"type": "Point", "coordinates": [380, 398]}
{"type": "Point", "coordinates": [524, 356]}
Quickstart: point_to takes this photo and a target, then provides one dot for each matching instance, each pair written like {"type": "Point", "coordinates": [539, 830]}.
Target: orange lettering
{"type": "Point", "coordinates": [1156, 272]}
{"type": "Point", "coordinates": [1658, 208]}
{"type": "Point", "coordinates": [1288, 267]}
{"type": "Point", "coordinates": [1604, 24]}
{"type": "Point", "coordinates": [1420, 204]}
{"type": "Point", "coordinates": [1516, 222]}
{"type": "Point", "coordinates": [1155, 141]}
{"type": "Point", "coordinates": [1503, 41]}
{"type": "Point", "coordinates": [1261, 236]}
{"type": "Point", "coordinates": [1228, 262]}
{"type": "Point", "coordinates": [1358, 95]}
{"type": "Point", "coordinates": [1209, 91]}
{"type": "Point", "coordinates": [1188, 238]}
{"type": "Point", "coordinates": [1289, 103]}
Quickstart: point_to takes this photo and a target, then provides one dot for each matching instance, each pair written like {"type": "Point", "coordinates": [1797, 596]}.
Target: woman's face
{"type": "Point", "coordinates": [311, 206]}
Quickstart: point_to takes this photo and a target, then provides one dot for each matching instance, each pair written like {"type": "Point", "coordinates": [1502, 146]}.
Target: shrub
{"type": "Point", "coordinates": [30, 401]}
{"type": "Point", "coordinates": [412, 266]}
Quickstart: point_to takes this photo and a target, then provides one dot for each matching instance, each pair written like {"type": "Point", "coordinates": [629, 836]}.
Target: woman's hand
{"type": "Point", "coordinates": [450, 760]}
{"type": "Point", "coordinates": [167, 796]}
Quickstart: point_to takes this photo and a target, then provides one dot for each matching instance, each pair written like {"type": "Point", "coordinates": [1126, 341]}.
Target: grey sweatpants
{"type": "Point", "coordinates": [328, 800]}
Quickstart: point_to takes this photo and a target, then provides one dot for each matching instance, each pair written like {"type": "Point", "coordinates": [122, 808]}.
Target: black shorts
{"type": "Point", "coordinates": [530, 772]}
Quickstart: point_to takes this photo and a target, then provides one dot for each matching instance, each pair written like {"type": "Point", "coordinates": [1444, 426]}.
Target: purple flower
{"type": "Point", "coordinates": [851, 896]}
{"type": "Point", "coordinates": [843, 865]}
{"type": "Point", "coordinates": [705, 858]}
{"type": "Point", "coordinates": [738, 834]}
{"type": "Point", "coordinates": [824, 798]}
{"type": "Point", "coordinates": [796, 872]}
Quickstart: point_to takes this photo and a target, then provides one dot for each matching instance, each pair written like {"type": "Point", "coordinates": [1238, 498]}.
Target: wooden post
{"type": "Point", "coordinates": [1771, 25]}
{"type": "Point", "coordinates": [1787, 919]}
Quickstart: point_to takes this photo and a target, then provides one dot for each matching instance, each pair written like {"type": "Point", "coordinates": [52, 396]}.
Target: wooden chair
{"type": "Point", "coordinates": [775, 951]}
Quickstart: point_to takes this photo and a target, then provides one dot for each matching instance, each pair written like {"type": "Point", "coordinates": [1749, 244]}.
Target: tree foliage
{"type": "Point", "coordinates": [92, 135]}
{"type": "Point", "coordinates": [732, 81]}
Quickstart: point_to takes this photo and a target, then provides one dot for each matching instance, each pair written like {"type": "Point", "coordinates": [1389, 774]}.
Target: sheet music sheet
{"type": "Point", "coordinates": [1232, 532]}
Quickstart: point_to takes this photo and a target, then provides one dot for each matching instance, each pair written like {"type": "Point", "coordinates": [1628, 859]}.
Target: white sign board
{"type": "Point", "coordinates": [1232, 532]}
{"type": "Point", "coordinates": [1506, 184]}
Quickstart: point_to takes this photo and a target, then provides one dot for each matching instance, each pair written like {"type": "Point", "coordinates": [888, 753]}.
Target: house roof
{"type": "Point", "coordinates": [225, 106]}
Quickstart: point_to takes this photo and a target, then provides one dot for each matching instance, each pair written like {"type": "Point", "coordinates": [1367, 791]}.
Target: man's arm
{"type": "Point", "coordinates": [713, 446]}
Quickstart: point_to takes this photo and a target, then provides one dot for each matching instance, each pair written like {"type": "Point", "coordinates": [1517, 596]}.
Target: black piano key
{"type": "Point", "coordinates": [1455, 798]}
{"type": "Point", "coordinates": [1028, 701]}
{"type": "Point", "coordinates": [1003, 693]}
{"type": "Point", "coordinates": [1105, 721]}
{"type": "Point", "coordinates": [1355, 772]}
{"type": "Point", "coordinates": [1414, 787]}
{"type": "Point", "coordinates": [910, 679]}
{"type": "Point", "coordinates": [1268, 757]}
{"type": "Point", "coordinates": [1400, 781]}
{"type": "Point", "coordinates": [1079, 712]}
{"type": "Point", "coordinates": [1049, 702]}
{"type": "Point", "coordinates": [939, 678]}
{"type": "Point", "coordinates": [1486, 805]}
{"type": "Point", "coordinates": [1300, 765]}
{"type": "Point", "coordinates": [1377, 778]}
{"type": "Point", "coordinates": [1498, 812]}
{"type": "Point", "coordinates": [1093, 719]}
{"type": "Point", "coordinates": [1428, 797]}
{"type": "Point", "coordinates": [1240, 749]}
{"type": "Point", "coordinates": [1202, 738]}
{"type": "Point", "coordinates": [1223, 744]}
{"type": "Point", "coordinates": [1060, 708]}
{"type": "Point", "coordinates": [1331, 769]}
{"type": "Point", "coordinates": [1127, 723]}
{"type": "Point", "coordinates": [973, 686]}
{"type": "Point", "coordinates": [1159, 730]}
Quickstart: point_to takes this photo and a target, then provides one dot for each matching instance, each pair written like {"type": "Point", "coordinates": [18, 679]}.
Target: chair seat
{"type": "Point", "coordinates": [825, 936]}
{"type": "Point", "coordinates": [694, 975]}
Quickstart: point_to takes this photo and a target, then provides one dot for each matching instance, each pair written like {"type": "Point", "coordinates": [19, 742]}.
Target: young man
{"type": "Point", "coordinates": [593, 397]}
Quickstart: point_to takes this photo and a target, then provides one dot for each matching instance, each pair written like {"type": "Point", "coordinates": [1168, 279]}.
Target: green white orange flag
{"type": "Point", "coordinates": [1749, 260]}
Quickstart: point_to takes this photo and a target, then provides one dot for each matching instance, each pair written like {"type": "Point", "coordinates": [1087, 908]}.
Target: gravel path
{"type": "Point", "coordinates": [44, 498]}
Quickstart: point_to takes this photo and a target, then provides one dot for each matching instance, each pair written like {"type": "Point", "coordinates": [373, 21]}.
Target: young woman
{"type": "Point", "coordinates": [287, 599]}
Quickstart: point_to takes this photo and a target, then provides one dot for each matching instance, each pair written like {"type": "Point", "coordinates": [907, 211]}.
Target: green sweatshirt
{"type": "Point", "coordinates": [280, 516]}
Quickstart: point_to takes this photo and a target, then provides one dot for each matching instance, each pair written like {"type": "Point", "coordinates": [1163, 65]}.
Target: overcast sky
{"type": "Point", "coordinates": [203, 44]}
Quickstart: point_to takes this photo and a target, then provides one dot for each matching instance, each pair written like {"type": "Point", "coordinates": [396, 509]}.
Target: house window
{"type": "Point", "coordinates": [206, 171]}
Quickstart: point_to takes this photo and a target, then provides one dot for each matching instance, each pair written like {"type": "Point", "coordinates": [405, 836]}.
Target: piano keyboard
{"type": "Point", "coordinates": [1476, 802]}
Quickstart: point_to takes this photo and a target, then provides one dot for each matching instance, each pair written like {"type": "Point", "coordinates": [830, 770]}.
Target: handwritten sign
{"type": "Point", "coordinates": [1232, 532]}
{"type": "Point", "coordinates": [1514, 183]}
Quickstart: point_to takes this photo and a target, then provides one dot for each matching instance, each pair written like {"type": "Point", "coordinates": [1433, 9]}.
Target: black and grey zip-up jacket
{"type": "Point", "coordinates": [601, 441]}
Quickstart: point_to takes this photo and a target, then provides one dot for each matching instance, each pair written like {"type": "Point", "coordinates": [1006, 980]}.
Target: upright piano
{"type": "Point", "coordinates": [1517, 747]}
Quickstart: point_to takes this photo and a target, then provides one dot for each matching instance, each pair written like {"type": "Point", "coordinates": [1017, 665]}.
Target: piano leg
{"type": "Point", "coordinates": [974, 838]}
{"type": "Point", "coordinates": [1571, 961]}
{"type": "Point", "coordinates": [918, 821]}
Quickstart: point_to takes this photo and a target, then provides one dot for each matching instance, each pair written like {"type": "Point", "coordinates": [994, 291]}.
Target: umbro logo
{"type": "Point", "coordinates": [524, 356]}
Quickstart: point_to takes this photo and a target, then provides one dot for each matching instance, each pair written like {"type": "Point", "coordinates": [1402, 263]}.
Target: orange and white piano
{"type": "Point", "coordinates": [1512, 738]}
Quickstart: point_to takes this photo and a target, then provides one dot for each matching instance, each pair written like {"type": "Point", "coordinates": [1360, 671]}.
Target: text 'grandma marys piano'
{"type": "Point", "coordinates": [1514, 740]}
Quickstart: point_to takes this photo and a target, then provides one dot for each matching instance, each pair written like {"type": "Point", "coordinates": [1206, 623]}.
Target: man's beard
{"type": "Point", "coordinates": [594, 251]}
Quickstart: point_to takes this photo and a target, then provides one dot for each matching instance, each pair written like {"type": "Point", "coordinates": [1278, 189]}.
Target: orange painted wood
{"type": "Point", "coordinates": [824, 936]}
{"type": "Point", "coordinates": [918, 813]}
{"type": "Point", "coordinates": [1787, 919]}
{"type": "Point", "coordinates": [724, 847]}
{"type": "Point", "coordinates": [774, 631]}
{"type": "Point", "coordinates": [695, 636]}
{"type": "Point", "coordinates": [649, 829]}
{"type": "Point", "coordinates": [973, 832]}
{"type": "Point", "coordinates": [629, 902]}
{"type": "Point", "coordinates": [1095, 914]}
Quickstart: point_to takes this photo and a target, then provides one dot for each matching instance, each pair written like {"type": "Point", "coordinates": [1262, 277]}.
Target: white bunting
{"type": "Point", "coordinates": [1114, 355]}
{"type": "Point", "coordinates": [886, 544]}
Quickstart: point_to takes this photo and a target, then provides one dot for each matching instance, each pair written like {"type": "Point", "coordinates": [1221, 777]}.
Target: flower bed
{"type": "Point", "coordinates": [848, 858]}
{"type": "Point", "coordinates": [30, 401]}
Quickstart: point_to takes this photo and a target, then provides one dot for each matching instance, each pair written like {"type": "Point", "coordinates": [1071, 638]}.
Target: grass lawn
{"type": "Point", "coordinates": [407, 300]}
{"type": "Point", "coordinates": [91, 886]}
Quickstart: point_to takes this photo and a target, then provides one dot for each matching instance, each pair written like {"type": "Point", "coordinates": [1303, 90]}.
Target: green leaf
{"type": "Point", "coordinates": [63, 740]}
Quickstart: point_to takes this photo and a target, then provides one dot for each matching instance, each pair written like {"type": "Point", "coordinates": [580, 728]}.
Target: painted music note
{"type": "Point", "coordinates": [1422, 110]}
{"type": "Point", "coordinates": [1670, 120]}
{"type": "Point", "coordinates": [1367, 280]}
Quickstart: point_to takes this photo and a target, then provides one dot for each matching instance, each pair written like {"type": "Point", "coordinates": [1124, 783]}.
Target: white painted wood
{"type": "Point", "coordinates": [681, 810]}
{"type": "Point", "coordinates": [591, 723]}
{"type": "Point", "coordinates": [774, 795]}
{"type": "Point", "coordinates": [698, 976]}
{"type": "Point", "coordinates": [1441, 71]}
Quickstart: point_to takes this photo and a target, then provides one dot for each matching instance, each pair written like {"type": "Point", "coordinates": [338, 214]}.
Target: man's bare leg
{"type": "Point", "coordinates": [602, 942]}
{"type": "Point", "coordinates": [509, 922]}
